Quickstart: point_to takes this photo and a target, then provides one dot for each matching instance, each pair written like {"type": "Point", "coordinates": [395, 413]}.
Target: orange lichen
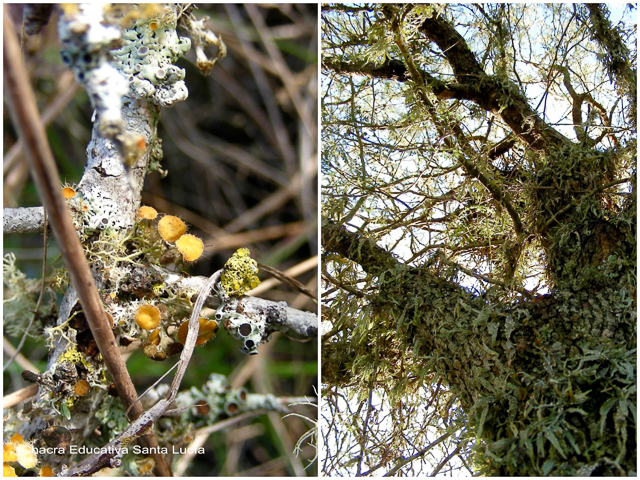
{"type": "Point", "coordinates": [9, 452]}
{"type": "Point", "coordinates": [46, 471]}
{"type": "Point", "coordinates": [17, 438]}
{"type": "Point", "coordinates": [82, 388]}
{"type": "Point", "coordinates": [155, 337]}
{"type": "Point", "coordinates": [148, 317]}
{"type": "Point", "coordinates": [146, 465]}
{"type": "Point", "coordinates": [68, 192]}
{"type": "Point", "coordinates": [8, 470]}
{"type": "Point", "coordinates": [171, 228]}
{"type": "Point", "coordinates": [190, 246]}
{"type": "Point", "coordinates": [208, 330]}
{"type": "Point", "coordinates": [147, 213]}
{"type": "Point", "coordinates": [153, 352]}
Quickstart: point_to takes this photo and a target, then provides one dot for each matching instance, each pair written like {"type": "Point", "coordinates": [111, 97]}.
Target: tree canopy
{"type": "Point", "coordinates": [236, 161]}
{"type": "Point", "coordinates": [479, 239]}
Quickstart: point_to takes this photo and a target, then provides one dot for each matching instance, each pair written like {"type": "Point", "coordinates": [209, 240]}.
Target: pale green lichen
{"type": "Point", "coordinates": [147, 59]}
{"type": "Point", "coordinates": [239, 275]}
{"type": "Point", "coordinates": [20, 295]}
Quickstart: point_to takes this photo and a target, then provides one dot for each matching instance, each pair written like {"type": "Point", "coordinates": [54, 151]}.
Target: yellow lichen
{"type": "Point", "coordinates": [239, 275]}
{"type": "Point", "coordinates": [68, 192]}
{"type": "Point", "coordinates": [190, 246]}
{"type": "Point", "coordinates": [147, 213]}
{"type": "Point", "coordinates": [46, 471]}
{"type": "Point", "coordinates": [9, 452]}
{"type": "Point", "coordinates": [8, 470]}
{"type": "Point", "coordinates": [207, 331]}
{"type": "Point", "coordinates": [72, 355]}
{"type": "Point", "coordinates": [154, 338]}
{"type": "Point", "coordinates": [82, 388]}
{"type": "Point", "coordinates": [148, 317]}
{"type": "Point", "coordinates": [171, 228]}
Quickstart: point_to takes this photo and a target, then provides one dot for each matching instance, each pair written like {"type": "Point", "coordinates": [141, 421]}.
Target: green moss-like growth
{"type": "Point", "coordinates": [548, 385]}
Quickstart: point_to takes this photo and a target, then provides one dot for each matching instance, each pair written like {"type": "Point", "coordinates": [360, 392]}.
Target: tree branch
{"type": "Point", "coordinates": [22, 220]}
{"type": "Point", "coordinates": [24, 111]}
{"type": "Point", "coordinates": [491, 91]}
{"type": "Point", "coordinates": [357, 248]}
{"type": "Point", "coordinates": [393, 69]}
{"type": "Point", "coordinates": [288, 319]}
{"type": "Point", "coordinates": [617, 60]}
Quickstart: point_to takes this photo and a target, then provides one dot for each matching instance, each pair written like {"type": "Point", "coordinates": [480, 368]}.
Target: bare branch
{"type": "Point", "coordinates": [22, 220]}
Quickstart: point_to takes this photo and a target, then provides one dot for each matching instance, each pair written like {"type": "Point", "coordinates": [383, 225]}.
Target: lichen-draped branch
{"type": "Point", "coordinates": [356, 247]}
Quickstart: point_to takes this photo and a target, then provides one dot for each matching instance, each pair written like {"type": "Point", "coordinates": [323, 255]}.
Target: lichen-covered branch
{"type": "Point", "coordinates": [22, 220]}
{"type": "Point", "coordinates": [45, 174]}
{"type": "Point", "coordinates": [124, 56]}
{"type": "Point", "coordinates": [617, 57]}
{"type": "Point", "coordinates": [356, 247]}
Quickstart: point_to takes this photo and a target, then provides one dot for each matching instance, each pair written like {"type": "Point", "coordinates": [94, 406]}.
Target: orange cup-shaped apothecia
{"type": "Point", "coordinates": [82, 388]}
{"type": "Point", "coordinates": [171, 228]}
{"type": "Point", "coordinates": [68, 192]}
{"type": "Point", "coordinates": [8, 470]}
{"type": "Point", "coordinates": [147, 213]}
{"type": "Point", "coordinates": [207, 331]}
{"type": "Point", "coordinates": [154, 338]}
{"type": "Point", "coordinates": [190, 246]}
{"type": "Point", "coordinates": [148, 317]}
{"type": "Point", "coordinates": [46, 471]}
{"type": "Point", "coordinates": [9, 452]}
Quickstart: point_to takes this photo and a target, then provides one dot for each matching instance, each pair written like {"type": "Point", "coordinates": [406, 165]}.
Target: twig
{"type": "Point", "coordinates": [22, 220]}
{"type": "Point", "coordinates": [287, 277]}
{"type": "Point", "coordinates": [48, 115]}
{"type": "Point", "coordinates": [484, 278]}
{"type": "Point", "coordinates": [418, 454]}
{"type": "Point", "coordinates": [21, 360]}
{"type": "Point", "coordinates": [19, 396]}
{"type": "Point", "coordinates": [445, 460]}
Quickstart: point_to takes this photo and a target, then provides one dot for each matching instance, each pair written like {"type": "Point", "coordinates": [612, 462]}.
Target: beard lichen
{"type": "Point", "coordinates": [547, 384]}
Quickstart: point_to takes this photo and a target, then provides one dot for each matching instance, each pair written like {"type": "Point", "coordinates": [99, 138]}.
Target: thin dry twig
{"type": "Point", "coordinates": [287, 277]}
{"type": "Point", "coordinates": [19, 396]}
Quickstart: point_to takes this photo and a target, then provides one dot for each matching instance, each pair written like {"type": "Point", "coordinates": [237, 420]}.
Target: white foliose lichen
{"type": "Point", "coordinates": [101, 212]}
{"type": "Point", "coordinates": [147, 59]}
{"type": "Point", "coordinates": [87, 42]}
{"type": "Point", "coordinates": [250, 331]}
